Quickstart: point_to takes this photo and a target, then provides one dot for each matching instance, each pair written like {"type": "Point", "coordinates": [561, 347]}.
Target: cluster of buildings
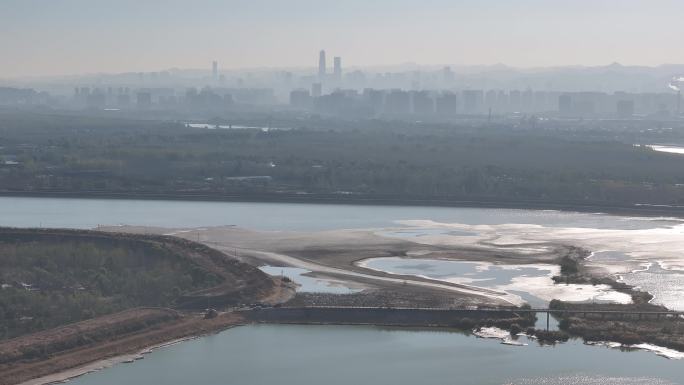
{"type": "Point", "coordinates": [22, 96]}
{"type": "Point", "coordinates": [447, 100]}
{"type": "Point", "coordinates": [214, 98]}
{"type": "Point", "coordinates": [496, 102]}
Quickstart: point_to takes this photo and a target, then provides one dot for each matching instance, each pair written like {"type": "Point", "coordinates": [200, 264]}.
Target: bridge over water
{"type": "Point", "coordinates": [622, 314]}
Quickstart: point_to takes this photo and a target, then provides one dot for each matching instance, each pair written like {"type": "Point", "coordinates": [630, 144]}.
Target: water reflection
{"type": "Point", "coordinates": [309, 284]}
{"type": "Point", "coordinates": [665, 285]}
{"type": "Point", "coordinates": [88, 213]}
{"type": "Point", "coordinates": [343, 355]}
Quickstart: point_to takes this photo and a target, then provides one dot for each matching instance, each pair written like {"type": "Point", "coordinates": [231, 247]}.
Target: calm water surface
{"type": "Point", "coordinates": [313, 355]}
{"type": "Point", "coordinates": [309, 284]}
{"type": "Point", "coordinates": [88, 213]}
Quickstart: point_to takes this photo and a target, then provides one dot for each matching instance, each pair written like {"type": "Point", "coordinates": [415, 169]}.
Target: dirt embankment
{"type": "Point", "coordinates": [133, 331]}
{"type": "Point", "coordinates": [241, 283]}
{"type": "Point", "coordinates": [70, 347]}
{"type": "Point", "coordinates": [43, 344]}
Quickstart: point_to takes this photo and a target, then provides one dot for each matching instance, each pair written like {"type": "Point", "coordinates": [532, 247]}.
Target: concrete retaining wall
{"type": "Point", "coordinates": [379, 316]}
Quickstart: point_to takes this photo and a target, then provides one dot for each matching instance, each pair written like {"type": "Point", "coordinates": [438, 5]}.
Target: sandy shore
{"type": "Point", "coordinates": [343, 254]}
{"type": "Point", "coordinates": [335, 254]}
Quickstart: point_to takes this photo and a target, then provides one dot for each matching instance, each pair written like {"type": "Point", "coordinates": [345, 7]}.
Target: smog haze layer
{"type": "Point", "coordinates": [41, 37]}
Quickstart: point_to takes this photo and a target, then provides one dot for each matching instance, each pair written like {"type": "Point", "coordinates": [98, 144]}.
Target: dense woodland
{"type": "Point", "coordinates": [524, 160]}
{"type": "Point", "coordinates": [51, 282]}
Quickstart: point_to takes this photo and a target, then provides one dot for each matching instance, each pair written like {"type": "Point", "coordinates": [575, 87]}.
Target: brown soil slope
{"type": "Point", "coordinates": [74, 345]}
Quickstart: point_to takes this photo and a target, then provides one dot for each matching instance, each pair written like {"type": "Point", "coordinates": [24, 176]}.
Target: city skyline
{"type": "Point", "coordinates": [216, 68]}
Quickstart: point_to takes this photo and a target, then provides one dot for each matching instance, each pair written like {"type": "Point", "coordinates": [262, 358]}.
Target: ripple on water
{"type": "Point", "coordinates": [665, 285]}
{"type": "Point", "coordinates": [591, 380]}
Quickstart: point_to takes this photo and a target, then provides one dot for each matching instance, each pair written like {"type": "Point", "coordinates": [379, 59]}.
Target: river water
{"type": "Point", "coordinates": [88, 213]}
{"type": "Point", "coordinates": [344, 355]}
{"type": "Point", "coordinates": [308, 284]}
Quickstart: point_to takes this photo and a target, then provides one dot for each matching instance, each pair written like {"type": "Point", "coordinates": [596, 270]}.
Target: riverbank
{"type": "Point", "coordinates": [343, 256]}
{"type": "Point", "coordinates": [333, 254]}
{"type": "Point", "coordinates": [61, 368]}
{"type": "Point", "coordinates": [626, 330]}
{"type": "Point", "coordinates": [665, 331]}
{"type": "Point", "coordinates": [65, 366]}
{"type": "Point", "coordinates": [43, 315]}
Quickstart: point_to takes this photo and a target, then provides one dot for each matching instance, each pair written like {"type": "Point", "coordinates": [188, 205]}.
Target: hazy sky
{"type": "Point", "coordinates": [45, 37]}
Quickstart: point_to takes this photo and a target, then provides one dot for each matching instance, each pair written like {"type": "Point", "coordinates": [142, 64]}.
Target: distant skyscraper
{"type": "Point", "coordinates": [398, 102]}
{"type": "Point", "coordinates": [502, 102]}
{"type": "Point", "coordinates": [144, 100]}
{"type": "Point", "coordinates": [423, 103]}
{"type": "Point", "coordinates": [374, 99]}
{"type": "Point", "coordinates": [447, 76]}
{"type": "Point", "coordinates": [490, 100]}
{"type": "Point", "coordinates": [337, 69]}
{"type": "Point", "coordinates": [214, 70]}
{"type": "Point", "coordinates": [300, 98]}
{"type": "Point", "coordinates": [515, 100]}
{"type": "Point", "coordinates": [527, 100]}
{"type": "Point", "coordinates": [316, 90]}
{"type": "Point", "coordinates": [321, 65]}
{"type": "Point", "coordinates": [473, 101]}
{"type": "Point", "coordinates": [447, 103]}
{"type": "Point", "coordinates": [565, 105]}
{"type": "Point", "coordinates": [625, 109]}
{"type": "Point", "coordinates": [123, 100]}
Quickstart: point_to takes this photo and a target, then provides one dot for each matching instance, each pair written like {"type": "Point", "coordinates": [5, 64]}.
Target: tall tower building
{"type": "Point", "coordinates": [447, 76]}
{"type": "Point", "coordinates": [337, 69]}
{"type": "Point", "coordinates": [316, 90]}
{"type": "Point", "coordinates": [214, 70]}
{"type": "Point", "coordinates": [321, 65]}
